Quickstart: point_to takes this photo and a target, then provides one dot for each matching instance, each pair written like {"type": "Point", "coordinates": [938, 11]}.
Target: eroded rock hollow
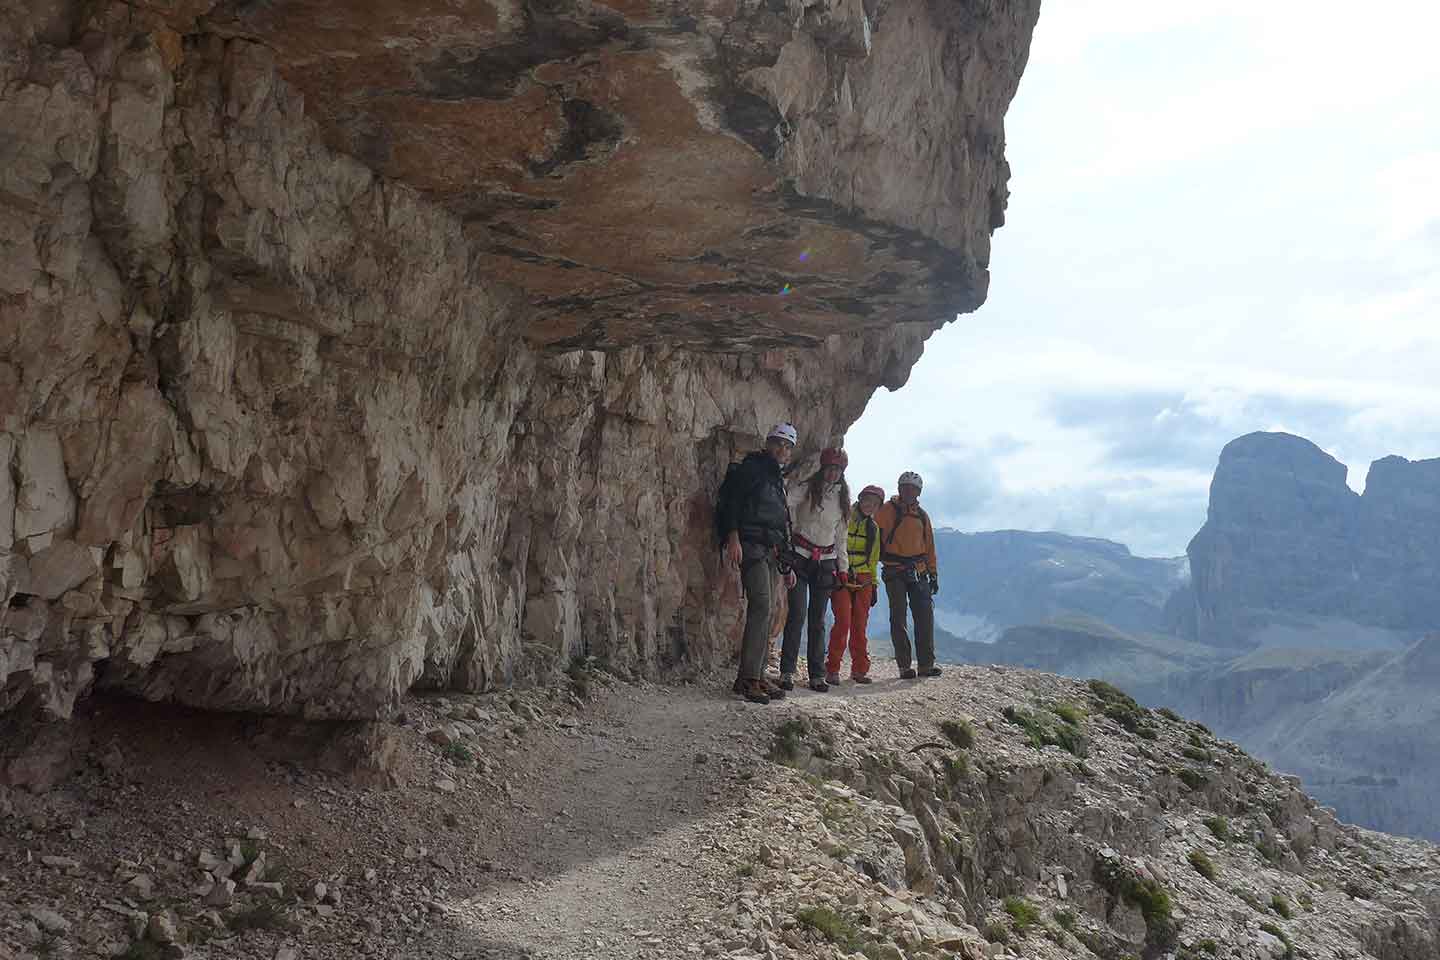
{"type": "Point", "coordinates": [348, 347]}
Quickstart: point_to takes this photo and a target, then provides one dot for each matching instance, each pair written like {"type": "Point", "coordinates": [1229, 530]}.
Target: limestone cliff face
{"type": "Point", "coordinates": [1290, 554]}
{"type": "Point", "coordinates": [348, 347]}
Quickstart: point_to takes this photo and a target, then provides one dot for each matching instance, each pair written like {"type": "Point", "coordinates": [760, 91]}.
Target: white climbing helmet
{"type": "Point", "coordinates": [912, 478]}
{"type": "Point", "coordinates": [783, 431]}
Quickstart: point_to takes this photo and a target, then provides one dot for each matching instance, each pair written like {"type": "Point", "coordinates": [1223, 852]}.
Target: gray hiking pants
{"type": "Point", "coordinates": [757, 576]}
{"type": "Point", "coordinates": [922, 607]}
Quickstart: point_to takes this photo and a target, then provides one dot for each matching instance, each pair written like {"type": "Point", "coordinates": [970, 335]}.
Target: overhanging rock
{"type": "Point", "coordinates": [351, 346]}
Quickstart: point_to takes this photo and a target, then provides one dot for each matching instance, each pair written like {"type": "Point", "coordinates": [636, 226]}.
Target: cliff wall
{"type": "Point", "coordinates": [351, 347]}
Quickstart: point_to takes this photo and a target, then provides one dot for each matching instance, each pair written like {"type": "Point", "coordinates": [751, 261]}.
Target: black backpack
{"type": "Point", "coordinates": [730, 493]}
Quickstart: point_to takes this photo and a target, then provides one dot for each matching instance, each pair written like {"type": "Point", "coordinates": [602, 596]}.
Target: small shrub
{"type": "Point", "coordinates": [1280, 905]}
{"type": "Point", "coordinates": [1359, 890]}
{"type": "Point", "coordinates": [249, 851]}
{"type": "Point", "coordinates": [1022, 912]}
{"type": "Point", "coordinates": [996, 931]}
{"type": "Point", "coordinates": [1203, 865]}
{"type": "Point", "coordinates": [746, 869]}
{"type": "Point", "coordinates": [831, 926]}
{"type": "Point", "coordinates": [580, 673]}
{"type": "Point", "coordinates": [1249, 898]}
{"type": "Point", "coordinates": [1170, 715]}
{"type": "Point", "coordinates": [1282, 936]}
{"type": "Point", "coordinates": [1042, 733]}
{"type": "Point", "coordinates": [1197, 754]}
{"type": "Point", "coordinates": [959, 732]}
{"type": "Point", "coordinates": [957, 768]}
{"type": "Point", "coordinates": [1208, 946]}
{"type": "Point", "coordinates": [1066, 918]}
{"type": "Point", "coordinates": [1270, 849]}
{"type": "Point", "coordinates": [458, 754]}
{"type": "Point", "coordinates": [789, 736]}
{"type": "Point", "coordinates": [1122, 708]}
{"type": "Point", "coordinates": [1151, 898]}
{"type": "Point", "coordinates": [1193, 779]}
{"type": "Point", "coordinates": [1109, 693]}
{"type": "Point", "coordinates": [1069, 712]}
{"type": "Point", "coordinates": [1220, 827]}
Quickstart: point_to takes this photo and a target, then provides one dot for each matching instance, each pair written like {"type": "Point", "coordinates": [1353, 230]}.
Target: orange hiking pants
{"type": "Point", "coordinates": [852, 614]}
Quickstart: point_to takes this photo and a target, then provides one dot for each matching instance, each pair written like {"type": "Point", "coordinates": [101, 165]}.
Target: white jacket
{"type": "Point", "coordinates": [824, 527]}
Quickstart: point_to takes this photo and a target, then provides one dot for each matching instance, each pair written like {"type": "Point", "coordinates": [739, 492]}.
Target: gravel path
{"type": "Point", "coordinates": [619, 847]}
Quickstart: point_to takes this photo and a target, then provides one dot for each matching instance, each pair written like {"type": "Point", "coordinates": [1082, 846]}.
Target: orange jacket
{"type": "Point", "coordinates": [906, 532]}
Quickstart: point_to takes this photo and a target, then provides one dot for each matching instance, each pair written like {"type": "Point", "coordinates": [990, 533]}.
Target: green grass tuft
{"type": "Point", "coordinates": [832, 926]}
{"type": "Point", "coordinates": [1203, 865]}
{"type": "Point", "coordinates": [1066, 918]}
{"type": "Point", "coordinates": [959, 732]}
{"type": "Point", "coordinates": [1220, 827]}
{"type": "Point", "coordinates": [1041, 732]}
{"type": "Point", "coordinates": [1151, 898]}
{"type": "Point", "coordinates": [789, 736]}
{"type": "Point", "coordinates": [1280, 905]}
{"type": "Point", "coordinates": [1122, 708]}
{"type": "Point", "coordinates": [1193, 779]}
{"type": "Point", "coordinates": [1022, 912]}
{"type": "Point", "coordinates": [996, 931]}
{"type": "Point", "coordinates": [459, 754]}
{"type": "Point", "coordinates": [1069, 712]}
{"type": "Point", "coordinates": [1282, 936]}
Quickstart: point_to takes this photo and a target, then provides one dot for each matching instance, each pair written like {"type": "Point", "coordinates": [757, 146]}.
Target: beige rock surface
{"type": "Point", "coordinates": [299, 393]}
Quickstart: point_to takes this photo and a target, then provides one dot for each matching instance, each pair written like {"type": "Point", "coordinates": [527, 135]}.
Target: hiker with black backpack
{"type": "Point", "coordinates": [852, 601]}
{"type": "Point", "coordinates": [752, 521]}
{"type": "Point", "coordinates": [910, 573]}
{"type": "Point", "coordinates": [819, 512]}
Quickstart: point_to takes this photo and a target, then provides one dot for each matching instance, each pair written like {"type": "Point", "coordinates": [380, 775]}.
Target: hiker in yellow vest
{"type": "Point", "coordinates": [851, 603]}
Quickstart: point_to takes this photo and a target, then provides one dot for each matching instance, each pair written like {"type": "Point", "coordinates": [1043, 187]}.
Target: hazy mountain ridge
{"type": "Point", "coordinates": [1287, 545]}
{"type": "Point", "coordinates": [1307, 633]}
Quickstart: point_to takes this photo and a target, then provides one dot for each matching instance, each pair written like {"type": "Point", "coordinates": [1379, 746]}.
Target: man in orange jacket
{"type": "Point", "coordinates": [911, 574]}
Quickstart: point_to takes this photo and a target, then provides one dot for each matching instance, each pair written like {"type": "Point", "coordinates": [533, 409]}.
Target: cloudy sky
{"type": "Point", "coordinates": [1224, 217]}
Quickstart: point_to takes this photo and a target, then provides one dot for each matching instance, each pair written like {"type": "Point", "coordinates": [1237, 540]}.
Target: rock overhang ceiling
{"type": "Point", "coordinates": [721, 175]}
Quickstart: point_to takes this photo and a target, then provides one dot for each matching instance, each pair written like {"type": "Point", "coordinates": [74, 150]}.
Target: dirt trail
{"type": "Point", "coordinates": [615, 844]}
{"type": "Point", "coordinates": [550, 828]}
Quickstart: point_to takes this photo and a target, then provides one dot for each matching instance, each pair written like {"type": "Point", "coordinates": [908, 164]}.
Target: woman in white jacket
{"type": "Point", "coordinates": [819, 516]}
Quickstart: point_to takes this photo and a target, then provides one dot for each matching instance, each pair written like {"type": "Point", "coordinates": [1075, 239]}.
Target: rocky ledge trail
{"type": "Point", "coordinates": [990, 813]}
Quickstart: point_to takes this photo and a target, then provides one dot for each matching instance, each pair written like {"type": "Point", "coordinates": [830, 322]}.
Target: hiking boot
{"type": "Point", "coordinates": [772, 691]}
{"type": "Point", "coordinates": [930, 671]}
{"type": "Point", "coordinates": [819, 686]}
{"type": "Point", "coordinates": [787, 682]}
{"type": "Point", "coordinates": [833, 679]}
{"type": "Point", "coordinates": [861, 679]}
{"type": "Point", "coordinates": [907, 674]}
{"type": "Point", "coordinates": [754, 691]}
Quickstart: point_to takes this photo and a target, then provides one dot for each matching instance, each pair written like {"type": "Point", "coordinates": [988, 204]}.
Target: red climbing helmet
{"type": "Point", "coordinates": [834, 457]}
{"type": "Point", "coordinates": [873, 491]}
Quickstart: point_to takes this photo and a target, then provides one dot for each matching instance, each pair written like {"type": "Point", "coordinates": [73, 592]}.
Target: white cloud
{"type": "Point", "coordinates": [1232, 208]}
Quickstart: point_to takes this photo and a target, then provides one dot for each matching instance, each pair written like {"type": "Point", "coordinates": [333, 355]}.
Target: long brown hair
{"type": "Point", "coordinates": [815, 492]}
